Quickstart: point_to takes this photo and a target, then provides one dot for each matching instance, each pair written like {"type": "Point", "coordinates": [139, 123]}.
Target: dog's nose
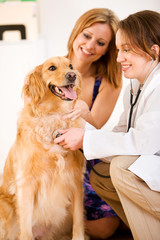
{"type": "Point", "coordinates": [71, 76]}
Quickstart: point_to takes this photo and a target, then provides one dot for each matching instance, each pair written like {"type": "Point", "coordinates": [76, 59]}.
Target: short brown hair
{"type": "Point", "coordinates": [107, 65]}
{"type": "Point", "coordinates": [142, 29]}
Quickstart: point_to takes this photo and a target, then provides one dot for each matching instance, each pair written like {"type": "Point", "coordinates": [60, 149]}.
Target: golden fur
{"type": "Point", "coordinates": [41, 196]}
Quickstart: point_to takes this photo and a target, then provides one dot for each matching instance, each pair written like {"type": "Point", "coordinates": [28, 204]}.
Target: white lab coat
{"type": "Point", "coordinates": [143, 137]}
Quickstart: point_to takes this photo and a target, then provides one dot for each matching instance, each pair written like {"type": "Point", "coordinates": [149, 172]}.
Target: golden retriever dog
{"type": "Point", "coordinates": [41, 196]}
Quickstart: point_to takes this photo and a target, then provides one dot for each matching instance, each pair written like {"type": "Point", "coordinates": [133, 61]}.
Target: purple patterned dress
{"type": "Point", "coordinates": [95, 207]}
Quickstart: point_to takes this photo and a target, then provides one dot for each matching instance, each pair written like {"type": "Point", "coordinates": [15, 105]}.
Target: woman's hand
{"type": "Point", "coordinates": [71, 138]}
{"type": "Point", "coordinates": [80, 109]}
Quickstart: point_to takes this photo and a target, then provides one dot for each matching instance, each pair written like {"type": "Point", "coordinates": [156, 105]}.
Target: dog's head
{"type": "Point", "coordinates": [55, 78]}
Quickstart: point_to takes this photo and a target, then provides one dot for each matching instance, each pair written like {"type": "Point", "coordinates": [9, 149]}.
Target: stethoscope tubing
{"type": "Point", "coordinates": [137, 96]}
{"type": "Point", "coordinates": [132, 106]}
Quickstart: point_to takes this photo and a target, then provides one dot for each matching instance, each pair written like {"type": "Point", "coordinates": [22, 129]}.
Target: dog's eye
{"type": "Point", "coordinates": [52, 68]}
{"type": "Point", "coordinates": [70, 66]}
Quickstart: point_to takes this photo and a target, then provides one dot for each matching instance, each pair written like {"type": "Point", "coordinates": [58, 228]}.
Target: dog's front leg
{"type": "Point", "coordinates": [78, 213]}
{"type": "Point", "coordinates": [25, 201]}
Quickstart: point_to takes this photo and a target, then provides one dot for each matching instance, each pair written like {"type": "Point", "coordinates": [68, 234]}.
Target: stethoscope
{"type": "Point", "coordinates": [132, 104]}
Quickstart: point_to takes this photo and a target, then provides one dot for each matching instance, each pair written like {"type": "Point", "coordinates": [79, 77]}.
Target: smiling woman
{"type": "Point", "coordinates": [92, 51]}
{"type": "Point", "coordinates": [133, 59]}
{"type": "Point", "coordinates": [92, 42]}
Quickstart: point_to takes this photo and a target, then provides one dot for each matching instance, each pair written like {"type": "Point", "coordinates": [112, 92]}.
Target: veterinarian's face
{"type": "Point", "coordinates": [135, 63]}
{"type": "Point", "coordinates": [92, 42]}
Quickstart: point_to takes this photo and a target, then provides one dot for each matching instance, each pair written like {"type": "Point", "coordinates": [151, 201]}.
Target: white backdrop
{"type": "Point", "coordinates": [57, 18]}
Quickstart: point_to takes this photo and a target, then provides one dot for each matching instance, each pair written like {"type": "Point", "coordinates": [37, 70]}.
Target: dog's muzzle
{"type": "Point", "coordinates": [64, 92]}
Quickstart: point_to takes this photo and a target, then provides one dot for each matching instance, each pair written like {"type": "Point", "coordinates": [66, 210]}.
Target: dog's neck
{"type": "Point", "coordinates": [43, 109]}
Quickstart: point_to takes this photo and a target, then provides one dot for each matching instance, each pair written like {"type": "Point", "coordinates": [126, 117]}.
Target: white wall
{"type": "Point", "coordinates": [16, 59]}
{"type": "Point", "coordinates": [57, 18]}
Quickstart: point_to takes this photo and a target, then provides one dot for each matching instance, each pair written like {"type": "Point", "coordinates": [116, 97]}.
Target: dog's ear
{"type": "Point", "coordinates": [34, 88]}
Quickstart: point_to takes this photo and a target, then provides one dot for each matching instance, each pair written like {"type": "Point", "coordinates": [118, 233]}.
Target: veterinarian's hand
{"type": "Point", "coordinates": [71, 138]}
{"type": "Point", "coordinates": [80, 109]}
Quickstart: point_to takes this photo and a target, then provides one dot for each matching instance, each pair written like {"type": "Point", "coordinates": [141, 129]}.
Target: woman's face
{"type": "Point", "coordinates": [92, 42]}
{"type": "Point", "coordinates": [135, 64]}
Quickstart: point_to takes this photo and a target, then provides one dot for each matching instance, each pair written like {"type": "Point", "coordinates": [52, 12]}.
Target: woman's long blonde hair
{"type": "Point", "coordinates": [107, 65]}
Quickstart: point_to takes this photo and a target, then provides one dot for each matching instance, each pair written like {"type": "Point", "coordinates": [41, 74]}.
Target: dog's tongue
{"type": "Point", "coordinates": [69, 93]}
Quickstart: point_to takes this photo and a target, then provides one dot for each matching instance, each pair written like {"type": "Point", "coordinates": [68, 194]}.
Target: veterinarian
{"type": "Point", "coordinates": [92, 50]}
{"type": "Point", "coordinates": [133, 190]}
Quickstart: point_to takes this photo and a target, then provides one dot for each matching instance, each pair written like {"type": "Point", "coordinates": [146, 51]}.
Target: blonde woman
{"type": "Point", "coordinates": [92, 50]}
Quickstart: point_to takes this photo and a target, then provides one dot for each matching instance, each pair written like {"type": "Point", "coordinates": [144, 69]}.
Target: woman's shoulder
{"type": "Point", "coordinates": [108, 87]}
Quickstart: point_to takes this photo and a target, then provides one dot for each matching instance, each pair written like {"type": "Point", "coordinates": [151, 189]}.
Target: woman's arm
{"type": "Point", "coordinates": [104, 104]}
{"type": "Point", "coordinates": [102, 108]}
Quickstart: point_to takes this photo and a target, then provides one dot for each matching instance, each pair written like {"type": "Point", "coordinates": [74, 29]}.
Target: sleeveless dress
{"type": "Point", "coordinates": [95, 207]}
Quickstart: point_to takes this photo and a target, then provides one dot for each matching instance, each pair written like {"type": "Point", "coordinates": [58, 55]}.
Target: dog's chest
{"type": "Point", "coordinates": [46, 126]}
{"type": "Point", "coordinates": [53, 201]}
